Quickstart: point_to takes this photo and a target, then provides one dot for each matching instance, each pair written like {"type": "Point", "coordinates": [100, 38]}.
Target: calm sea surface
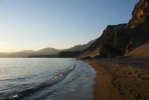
{"type": "Point", "coordinates": [45, 79]}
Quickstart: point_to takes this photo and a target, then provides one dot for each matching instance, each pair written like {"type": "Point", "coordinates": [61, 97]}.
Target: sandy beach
{"type": "Point", "coordinates": [121, 79]}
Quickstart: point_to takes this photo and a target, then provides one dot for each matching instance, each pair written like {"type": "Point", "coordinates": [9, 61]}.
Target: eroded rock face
{"type": "Point", "coordinates": [117, 40]}
{"type": "Point", "coordinates": [114, 41]}
{"type": "Point", "coordinates": [139, 25]}
{"type": "Point", "coordinates": [140, 14]}
{"type": "Point", "coordinates": [120, 39]}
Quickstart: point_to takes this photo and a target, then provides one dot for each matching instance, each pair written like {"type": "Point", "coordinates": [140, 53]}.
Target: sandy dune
{"type": "Point", "coordinates": [142, 51]}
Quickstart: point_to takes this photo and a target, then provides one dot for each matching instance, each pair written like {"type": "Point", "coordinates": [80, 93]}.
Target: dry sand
{"type": "Point", "coordinates": [142, 51]}
{"type": "Point", "coordinates": [121, 79]}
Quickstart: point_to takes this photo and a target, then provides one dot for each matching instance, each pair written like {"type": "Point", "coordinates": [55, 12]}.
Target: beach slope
{"type": "Point", "coordinates": [121, 79]}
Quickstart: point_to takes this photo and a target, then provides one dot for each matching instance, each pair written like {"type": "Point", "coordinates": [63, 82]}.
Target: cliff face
{"type": "Point", "coordinates": [117, 40]}
{"type": "Point", "coordinates": [114, 41]}
{"type": "Point", "coordinates": [140, 14]}
{"type": "Point", "coordinates": [138, 26]}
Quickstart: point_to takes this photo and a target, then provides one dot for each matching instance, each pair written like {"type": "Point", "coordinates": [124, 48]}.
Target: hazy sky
{"type": "Point", "coordinates": [36, 24]}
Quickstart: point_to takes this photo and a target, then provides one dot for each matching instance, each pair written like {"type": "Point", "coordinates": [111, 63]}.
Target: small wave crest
{"type": "Point", "coordinates": [57, 78]}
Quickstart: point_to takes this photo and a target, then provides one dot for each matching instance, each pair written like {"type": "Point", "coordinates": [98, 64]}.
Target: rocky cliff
{"type": "Point", "coordinates": [138, 26]}
{"type": "Point", "coordinates": [118, 40]}
{"type": "Point", "coordinates": [140, 14]}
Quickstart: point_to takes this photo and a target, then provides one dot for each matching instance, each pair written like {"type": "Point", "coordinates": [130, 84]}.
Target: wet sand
{"type": "Point", "coordinates": [121, 79]}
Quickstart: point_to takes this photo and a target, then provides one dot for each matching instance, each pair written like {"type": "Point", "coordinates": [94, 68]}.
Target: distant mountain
{"type": "Point", "coordinates": [80, 47]}
{"type": "Point", "coordinates": [76, 50]}
{"type": "Point", "coordinates": [14, 54]}
{"type": "Point", "coordinates": [46, 52]}
{"type": "Point", "coordinates": [117, 40]}
{"type": "Point", "coordinates": [27, 51]}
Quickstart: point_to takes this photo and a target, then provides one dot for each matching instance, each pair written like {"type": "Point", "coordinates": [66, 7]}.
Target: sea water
{"type": "Point", "coordinates": [45, 79]}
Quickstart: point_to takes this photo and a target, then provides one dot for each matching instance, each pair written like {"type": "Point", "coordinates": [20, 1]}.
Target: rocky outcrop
{"type": "Point", "coordinates": [138, 26]}
{"type": "Point", "coordinates": [117, 40]}
{"type": "Point", "coordinates": [140, 14]}
{"type": "Point", "coordinates": [114, 41]}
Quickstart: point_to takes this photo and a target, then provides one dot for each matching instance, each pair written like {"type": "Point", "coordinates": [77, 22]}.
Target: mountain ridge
{"type": "Point", "coordinates": [47, 52]}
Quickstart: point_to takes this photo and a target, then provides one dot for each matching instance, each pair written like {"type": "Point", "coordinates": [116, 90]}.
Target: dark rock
{"type": "Point", "coordinates": [140, 14]}
{"type": "Point", "coordinates": [88, 57]}
{"type": "Point", "coordinates": [97, 56]}
{"type": "Point", "coordinates": [118, 40]}
{"type": "Point", "coordinates": [66, 54]}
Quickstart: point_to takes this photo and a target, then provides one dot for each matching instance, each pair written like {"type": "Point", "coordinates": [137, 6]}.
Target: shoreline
{"type": "Point", "coordinates": [120, 79]}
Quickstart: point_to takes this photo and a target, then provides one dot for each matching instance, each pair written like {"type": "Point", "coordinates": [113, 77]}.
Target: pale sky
{"type": "Point", "coordinates": [37, 24]}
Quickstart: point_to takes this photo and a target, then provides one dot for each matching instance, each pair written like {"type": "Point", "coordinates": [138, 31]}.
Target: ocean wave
{"type": "Point", "coordinates": [57, 78]}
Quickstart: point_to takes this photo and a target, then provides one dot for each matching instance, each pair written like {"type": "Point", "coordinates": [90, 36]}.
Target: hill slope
{"type": "Point", "coordinates": [80, 47]}
{"type": "Point", "coordinates": [142, 51]}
